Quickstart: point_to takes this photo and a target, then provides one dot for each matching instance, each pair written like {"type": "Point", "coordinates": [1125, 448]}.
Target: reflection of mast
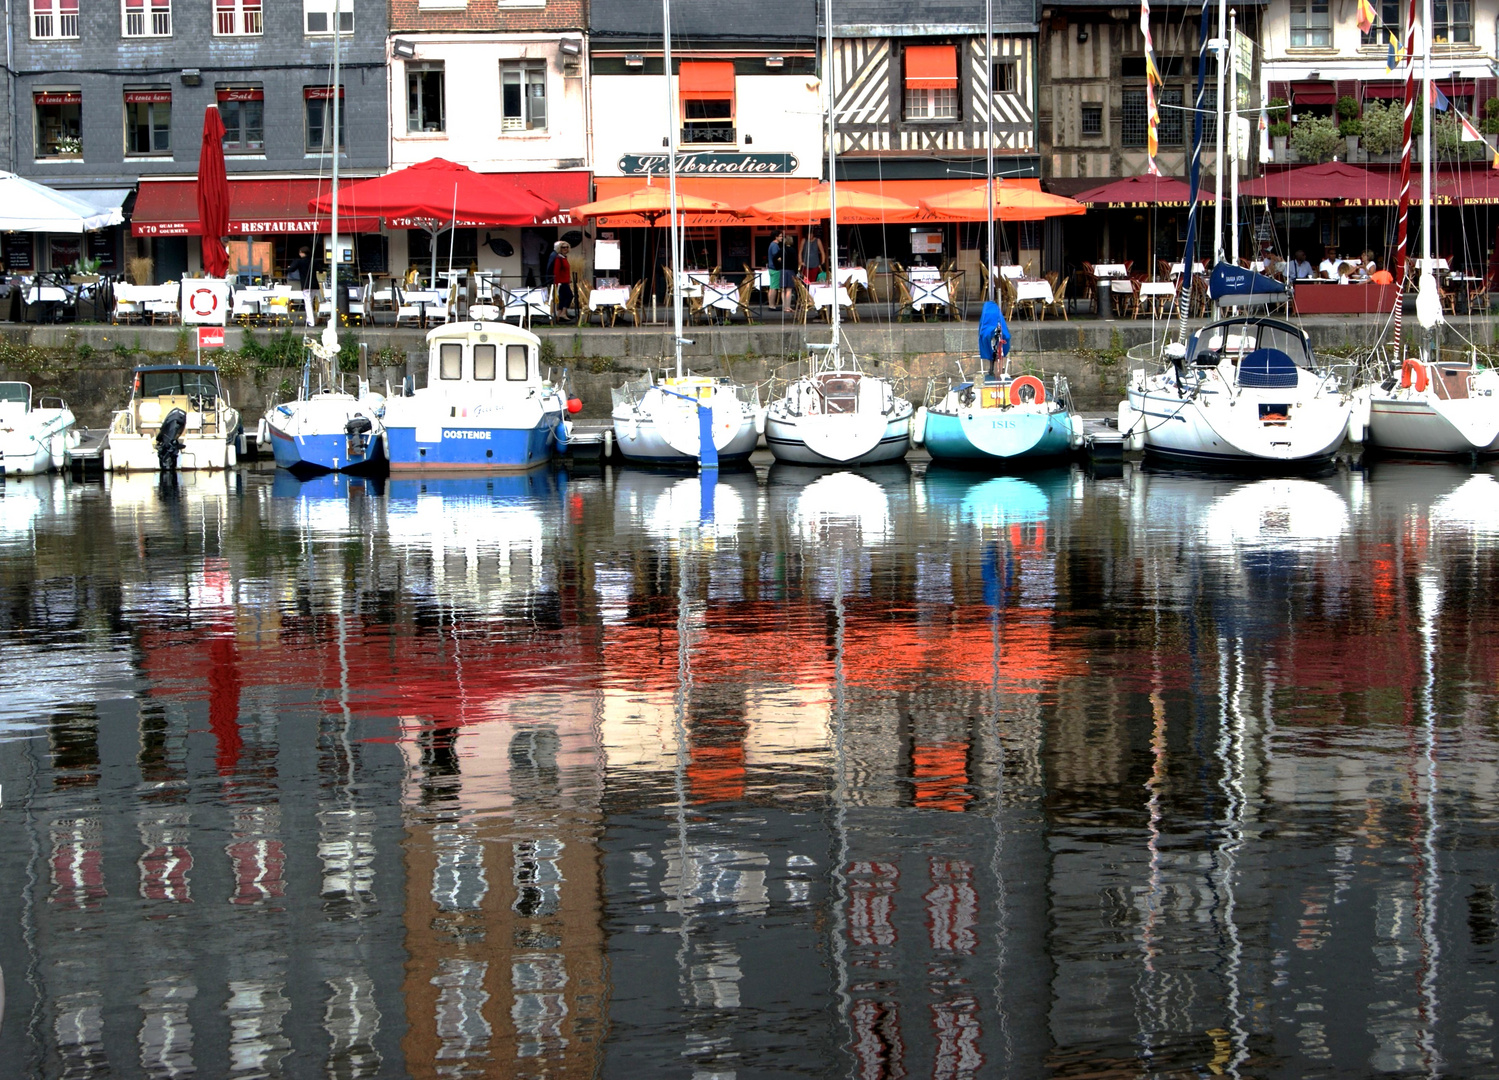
{"type": "Point", "coordinates": [1231, 838]}
{"type": "Point", "coordinates": [996, 616]}
{"type": "Point", "coordinates": [1426, 899]}
{"type": "Point", "coordinates": [840, 797]}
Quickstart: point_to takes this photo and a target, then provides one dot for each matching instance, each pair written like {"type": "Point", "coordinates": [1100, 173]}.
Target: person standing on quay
{"type": "Point", "coordinates": [301, 271]}
{"type": "Point", "coordinates": [560, 273]}
{"type": "Point", "coordinates": [774, 261]}
{"type": "Point", "coordinates": [814, 255]}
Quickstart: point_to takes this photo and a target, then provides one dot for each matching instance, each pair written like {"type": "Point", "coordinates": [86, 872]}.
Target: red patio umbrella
{"type": "Point", "coordinates": [213, 194]}
{"type": "Point", "coordinates": [1323, 185]}
{"type": "Point", "coordinates": [442, 192]}
{"type": "Point", "coordinates": [1142, 191]}
{"type": "Point", "coordinates": [1012, 202]}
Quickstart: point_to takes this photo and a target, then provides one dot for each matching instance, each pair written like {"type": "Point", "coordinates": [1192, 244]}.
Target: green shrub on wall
{"type": "Point", "coordinates": [1316, 139]}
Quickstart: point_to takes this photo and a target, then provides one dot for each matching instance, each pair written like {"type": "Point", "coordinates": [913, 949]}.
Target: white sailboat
{"type": "Point", "coordinates": [837, 413]}
{"type": "Point", "coordinates": [1434, 407]}
{"type": "Point", "coordinates": [666, 423]}
{"type": "Point", "coordinates": [1244, 392]}
{"type": "Point", "coordinates": [332, 430]}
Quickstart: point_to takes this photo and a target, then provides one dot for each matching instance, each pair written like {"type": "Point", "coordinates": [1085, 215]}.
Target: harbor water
{"type": "Point", "coordinates": [896, 773]}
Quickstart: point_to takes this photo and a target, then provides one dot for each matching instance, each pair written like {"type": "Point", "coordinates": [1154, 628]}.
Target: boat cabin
{"type": "Point", "coordinates": [484, 358]}
{"type": "Point", "coordinates": [157, 390]}
{"type": "Point", "coordinates": [1266, 353]}
{"type": "Point", "coordinates": [15, 399]}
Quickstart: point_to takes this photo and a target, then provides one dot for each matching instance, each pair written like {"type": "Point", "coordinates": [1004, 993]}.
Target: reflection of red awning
{"type": "Point", "coordinates": [256, 208]}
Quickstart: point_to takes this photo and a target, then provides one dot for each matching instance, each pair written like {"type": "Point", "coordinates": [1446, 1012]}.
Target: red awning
{"type": "Point", "coordinates": [443, 193]}
{"type": "Point", "coordinates": [1143, 191]}
{"type": "Point", "coordinates": [566, 189]}
{"type": "Point", "coordinates": [932, 67]}
{"type": "Point", "coordinates": [1322, 185]}
{"type": "Point", "coordinates": [702, 80]}
{"type": "Point", "coordinates": [1318, 93]}
{"type": "Point", "coordinates": [256, 208]}
{"type": "Point", "coordinates": [1477, 185]}
{"type": "Point", "coordinates": [1384, 90]}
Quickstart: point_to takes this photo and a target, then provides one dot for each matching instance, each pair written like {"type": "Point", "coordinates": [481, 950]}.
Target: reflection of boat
{"type": "Point", "coordinates": [34, 436]}
{"type": "Point", "coordinates": [995, 501]}
{"type": "Point", "coordinates": [331, 431]}
{"type": "Point", "coordinates": [22, 502]}
{"type": "Point", "coordinates": [1282, 513]}
{"type": "Point", "coordinates": [178, 417]}
{"type": "Point", "coordinates": [849, 506]}
{"type": "Point", "coordinates": [1247, 393]}
{"type": "Point", "coordinates": [485, 408]}
{"type": "Point", "coordinates": [665, 506]}
{"type": "Point", "coordinates": [322, 503]}
{"type": "Point", "coordinates": [472, 513]}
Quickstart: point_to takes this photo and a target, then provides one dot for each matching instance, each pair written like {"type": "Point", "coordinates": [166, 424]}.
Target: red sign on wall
{"type": "Point", "coordinates": [210, 337]}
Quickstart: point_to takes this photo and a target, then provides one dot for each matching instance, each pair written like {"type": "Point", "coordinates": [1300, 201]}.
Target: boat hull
{"type": "Point", "coordinates": [790, 440]}
{"type": "Point", "coordinates": [325, 453]}
{"type": "Point", "coordinates": [1428, 427]}
{"type": "Point", "coordinates": [1021, 434]}
{"type": "Point", "coordinates": [663, 428]}
{"type": "Point", "coordinates": [137, 453]}
{"type": "Point", "coordinates": [1225, 434]}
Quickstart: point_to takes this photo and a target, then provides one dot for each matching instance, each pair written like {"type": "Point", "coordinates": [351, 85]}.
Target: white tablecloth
{"type": "Point", "coordinates": [1034, 290]}
{"type": "Point", "coordinates": [1014, 273]}
{"type": "Point", "coordinates": [535, 301]}
{"type": "Point", "coordinates": [924, 273]}
{"type": "Point", "coordinates": [1157, 288]}
{"type": "Point", "coordinates": [822, 296]}
{"type": "Point", "coordinates": [1109, 270]}
{"type": "Point", "coordinates": [723, 295]}
{"type": "Point", "coordinates": [608, 297]}
{"type": "Point", "coordinates": [1197, 268]}
{"type": "Point", "coordinates": [929, 294]}
{"type": "Point", "coordinates": [856, 275]}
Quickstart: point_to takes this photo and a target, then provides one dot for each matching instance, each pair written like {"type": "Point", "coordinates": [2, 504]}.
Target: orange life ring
{"type": "Point", "coordinates": [1023, 383]}
{"type": "Point", "coordinates": [1413, 370]}
{"type": "Point", "coordinates": [213, 302]}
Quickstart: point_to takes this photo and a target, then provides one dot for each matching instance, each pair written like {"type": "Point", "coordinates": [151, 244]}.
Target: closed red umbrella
{"type": "Point", "coordinates": [213, 194]}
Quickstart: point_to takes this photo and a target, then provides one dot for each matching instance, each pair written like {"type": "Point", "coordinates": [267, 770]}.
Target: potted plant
{"type": "Point", "coordinates": [1382, 127]}
{"type": "Point", "coordinates": [1316, 139]}
{"type": "Point", "coordinates": [1280, 126]}
{"type": "Point", "coordinates": [1349, 126]}
{"type": "Point", "coordinates": [84, 272]}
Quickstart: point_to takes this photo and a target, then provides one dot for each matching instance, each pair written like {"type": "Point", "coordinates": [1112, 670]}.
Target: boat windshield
{"type": "Point", "coordinates": [17, 392]}
{"type": "Point", "coordinates": [1235, 340]}
{"type": "Point", "coordinates": [184, 382]}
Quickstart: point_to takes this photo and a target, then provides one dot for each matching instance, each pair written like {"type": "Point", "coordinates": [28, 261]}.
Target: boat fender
{"type": "Point", "coordinates": [1076, 423]}
{"type": "Point", "coordinates": [1355, 428]}
{"type": "Point", "coordinates": [918, 426]}
{"type": "Point", "coordinates": [231, 455]}
{"type": "Point", "coordinates": [1027, 390]}
{"type": "Point", "coordinates": [1413, 370]}
{"type": "Point", "coordinates": [564, 430]}
{"type": "Point", "coordinates": [760, 421]}
{"type": "Point", "coordinates": [608, 443]}
{"type": "Point", "coordinates": [107, 459]}
{"type": "Point", "coordinates": [574, 405]}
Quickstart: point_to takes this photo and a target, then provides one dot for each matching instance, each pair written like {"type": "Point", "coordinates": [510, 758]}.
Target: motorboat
{"type": "Point", "coordinates": [329, 431]}
{"type": "Point", "coordinates": [178, 417]}
{"type": "Point", "coordinates": [1000, 417]}
{"type": "Point", "coordinates": [1242, 392]}
{"type": "Point", "coordinates": [35, 432]}
{"type": "Point", "coordinates": [659, 423]}
{"type": "Point", "coordinates": [486, 405]}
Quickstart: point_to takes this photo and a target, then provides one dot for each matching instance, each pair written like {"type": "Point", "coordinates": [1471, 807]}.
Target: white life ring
{"type": "Point", "coordinates": [213, 302]}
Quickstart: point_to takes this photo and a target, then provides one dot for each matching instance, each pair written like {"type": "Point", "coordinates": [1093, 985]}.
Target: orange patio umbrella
{"type": "Point", "coordinates": [651, 202]}
{"type": "Point", "coordinates": [1012, 202]}
{"type": "Point", "coordinates": [854, 208]}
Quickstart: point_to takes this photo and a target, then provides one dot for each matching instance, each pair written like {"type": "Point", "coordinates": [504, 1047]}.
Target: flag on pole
{"type": "Point", "coordinates": [1366, 16]}
{"type": "Point", "coordinates": [1152, 80]}
{"type": "Point", "coordinates": [1469, 133]}
{"type": "Point", "coordinates": [1439, 102]}
{"type": "Point", "coordinates": [1392, 55]}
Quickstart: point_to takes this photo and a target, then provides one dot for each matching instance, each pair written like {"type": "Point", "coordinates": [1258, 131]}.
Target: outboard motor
{"type": "Point", "coordinates": [169, 440]}
{"type": "Point", "coordinates": [358, 431]}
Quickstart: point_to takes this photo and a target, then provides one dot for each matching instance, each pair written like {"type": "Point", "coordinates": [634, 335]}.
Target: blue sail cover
{"type": "Point", "coordinates": [991, 324]}
{"type": "Point", "coordinates": [1234, 286]}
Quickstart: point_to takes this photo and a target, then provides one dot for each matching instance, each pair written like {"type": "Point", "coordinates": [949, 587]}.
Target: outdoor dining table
{"type": "Point", "coordinates": [422, 299]}
{"type": "Point", "coordinates": [52, 299]}
{"type": "Point", "coordinates": [718, 295]}
{"type": "Point", "coordinates": [609, 298]}
{"type": "Point", "coordinates": [1104, 296]}
{"type": "Point", "coordinates": [927, 290]}
{"type": "Point", "coordinates": [1159, 293]}
{"type": "Point", "coordinates": [527, 303]}
{"type": "Point", "coordinates": [1035, 289]}
{"type": "Point", "coordinates": [822, 295]}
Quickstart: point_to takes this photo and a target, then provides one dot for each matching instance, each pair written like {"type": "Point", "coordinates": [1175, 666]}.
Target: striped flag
{"type": "Point", "coordinates": [1394, 54]}
{"type": "Point", "coordinates": [1469, 133]}
{"type": "Point", "coordinates": [1366, 16]}
{"type": "Point", "coordinates": [1152, 80]}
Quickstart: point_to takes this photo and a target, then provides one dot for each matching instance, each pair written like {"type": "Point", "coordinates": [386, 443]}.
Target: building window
{"type": "Point", "coordinates": [1173, 117]}
{"type": "Point", "coordinates": [931, 82]}
{"type": "Point", "coordinates": [54, 18]}
{"type": "Point", "coordinates": [1132, 119]}
{"type": "Point", "coordinates": [1092, 119]}
{"type": "Point", "coordinates": [146, 18]}
{"type": "Point", "coordinates": [523, 95]}
{"type": "Point", "coordinates": [317, 16]}
{"type": "Point", "coordinates": [242, 109]}
{"type": "Point", "coordinates": [707, 94]}
{"type": "Point", "coordinates": [320, 119]}
{"type": "Point", "coordinates": [1389, 20]}
{"type": "Point", "coordinates": [1452, 22]}
{"type": "Point", "coordinates": [148, 121]}
{"type": "Point", "coordinates": [424, 95]}
{"type": "Point", "coordinates": [58, 123]}
{"type": "Point", "coordinates": [1006, 77]}
{"type": "Point", "coordinates": [1311, 24]}
{"type": "Point", "coordinates": [237, 18]}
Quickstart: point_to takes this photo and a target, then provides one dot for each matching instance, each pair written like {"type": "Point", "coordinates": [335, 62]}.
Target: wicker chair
{"type": "Point", "coordinates": [870, 268]}
{"type": "Point", "coordinates": [632, 306]}
{"type": "Point", "coordinates": [803, 301]}
{"type": "Point", "coordinates": [1058, 299]}
{"type": "Point", "coordinates": [746, 286]}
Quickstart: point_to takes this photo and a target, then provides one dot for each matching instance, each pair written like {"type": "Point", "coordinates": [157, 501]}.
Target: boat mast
{"type": "Point", "coordinates": [332, 333]}
{"type": "Point", "coordinates": [1217, 47]}
{"type": "Point", "coordinates": [1403, 213]}
{"type": "Point", "coordinates": [1233, 135]}
{"type": "Point", "coordinates": [1426, 298]}
{"type": "Point", "coordinates": [1184, 297]}
{"type": "Point", "coordinates": [832, 181]}
{"type": "Point", "coordinates": [993, 281]}
{"type": "Point", "coordinates": [675, 258]}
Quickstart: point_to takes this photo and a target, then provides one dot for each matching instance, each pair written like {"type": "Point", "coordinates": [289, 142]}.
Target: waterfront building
{"type": "Point", "coordinates": [497, 87]}
{"type": "Point", "coordinates": [104, 96]}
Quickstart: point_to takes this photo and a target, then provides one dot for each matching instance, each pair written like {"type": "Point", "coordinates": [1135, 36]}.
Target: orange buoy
{"type": "Point", "coordinates": [574, 405]}
{"type": "Point", "coordinates": [1027, 390]}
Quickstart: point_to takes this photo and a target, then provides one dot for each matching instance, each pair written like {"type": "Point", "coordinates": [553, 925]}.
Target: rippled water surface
{"type": "Point", "coordinates": [906, 773]}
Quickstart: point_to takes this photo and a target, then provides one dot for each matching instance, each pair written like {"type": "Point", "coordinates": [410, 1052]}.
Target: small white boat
{"type": "Point", "coordinates": [485, 408]}
{"type": "Point", "coordinates": [1244, 392]}
{"type": "Point", "coordinates": [1434, 409]}
{"type": "Point", "coordinates": [659, 424]}
{"type": "Point", "coordinates": [34, 436]}
{"type": "Point", "coordinates": [330, 431]}
{"type": "Point", "coordinates": [839, 415]}
{"type": "Point", "coordinates": [178, 418]}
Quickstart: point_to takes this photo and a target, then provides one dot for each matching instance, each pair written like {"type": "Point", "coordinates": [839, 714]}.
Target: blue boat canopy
{"type": "Point", "coordinates": [1235, 286]}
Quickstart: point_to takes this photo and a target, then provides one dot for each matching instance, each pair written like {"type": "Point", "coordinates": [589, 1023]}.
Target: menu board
{"type": "Point", "coordinates": [101, 246]}
{"type": "Point", "coordinates": [16, 249]}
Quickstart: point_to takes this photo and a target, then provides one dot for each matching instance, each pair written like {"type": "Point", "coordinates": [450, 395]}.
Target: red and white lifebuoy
{"type": "Point", "coordinates": [213, 302]}
{"type": "Point", "coordinates": [1413, 371]}
{"type": "Point", "coordinates": [1023, 383]}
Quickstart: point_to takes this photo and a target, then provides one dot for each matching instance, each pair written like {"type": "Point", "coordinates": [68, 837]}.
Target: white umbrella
{"type": "Point", "coordinates": [26, 206]}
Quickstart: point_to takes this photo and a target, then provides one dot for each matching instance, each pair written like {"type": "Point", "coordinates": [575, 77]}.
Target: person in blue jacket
{"type": "Point", "coordinates": [994, 336]}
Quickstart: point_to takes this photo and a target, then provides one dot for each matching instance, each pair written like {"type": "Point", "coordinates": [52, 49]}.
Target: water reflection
{"type": "Point", "coordinates": [882, 773]}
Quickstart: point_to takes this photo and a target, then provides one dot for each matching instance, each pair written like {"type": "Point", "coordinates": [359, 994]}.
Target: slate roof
{"type": "Point", "coordinates": [856, 18]}
{"type": "Point", "coordinates": [717, 20]}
